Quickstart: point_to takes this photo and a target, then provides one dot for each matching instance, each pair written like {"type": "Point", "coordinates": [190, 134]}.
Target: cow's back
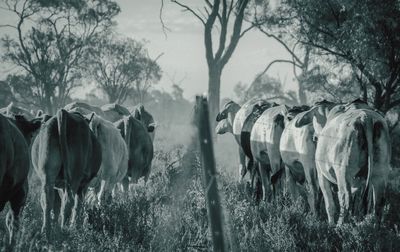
{"type": "Point", "coordinates": [84, 152]}
{"type": "Point", "coordinates": [345, 137]}
{"type": "Point", "coordinates": [140, 147]}
{"type": "Point", "coordinates": [242, 115]}
{"type": "Point", "coordinates": [297, 146]}
{"type": "Point", "coordinates": [266, 131]}
{"type": "Point", "coordinates": [114, 150]}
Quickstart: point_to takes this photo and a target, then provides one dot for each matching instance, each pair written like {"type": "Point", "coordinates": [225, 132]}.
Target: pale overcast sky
{"type": "Point", "coordinates": [183, 48]}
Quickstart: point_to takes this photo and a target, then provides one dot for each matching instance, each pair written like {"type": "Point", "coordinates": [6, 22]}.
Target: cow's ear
{"type": "Point", "coordinates": [39, 113]}
{"type": "Point", "coordinates": [20, 118]}
{"type": "Point", "coordinates": [9, 108]}
{"type": "Point", "coordinates": [35, 124]}
{"type": "Point", "coordinates": [91, 117]}
{"type": "Point", "coordinates": [305, 118]}
{"type": "Point", "coordinates": [137, 114]}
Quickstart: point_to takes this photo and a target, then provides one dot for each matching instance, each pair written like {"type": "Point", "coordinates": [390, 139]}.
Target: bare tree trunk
{"type": "Point", "coordinates": [48, 104]}
{"type": "Point", "coordinates": [302, 95]}
{"type": "Point", "coordinates": [214, 84]}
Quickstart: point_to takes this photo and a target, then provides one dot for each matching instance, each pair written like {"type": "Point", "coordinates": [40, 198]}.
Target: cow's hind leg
{"type": "Point", "coordinates": [344, 194]}
{"type": "Point", "coordinates": [47, 200]}
{"type": "Point", "coordinates": [67, 203]}
{"type": "Point", "coordinates": [328, 198]}
{"type": "Point", "coordinates": [58, 193]}
{"type": "Point", "coordinates": [311, 186]}
{"type": "Point", "coordinates": [125, 184]}
{"type": "Point", "coordinates": [17, 203]}
{"type": "Point", "coordinates": [264, 173]}
{"type": "Point", "coordinates": [378, 189]}
{"type": "Point", "coordinates": [290, 183]}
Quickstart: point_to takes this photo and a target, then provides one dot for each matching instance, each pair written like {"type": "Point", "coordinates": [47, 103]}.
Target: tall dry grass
{"type": "Point", "coordinates": [168, 213]}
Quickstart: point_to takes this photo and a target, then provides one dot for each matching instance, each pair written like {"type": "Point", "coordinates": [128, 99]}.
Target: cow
{"type": "Point", "coordinates": [353, 152]}
{"type": "Point", "coordinates": [140, 148]}
{"type": "Point", "coordinates": [297, 149]}
{"type": "Point", "coordinates": [12, 110]}
{"type": "Point", "coordinates": [15, 135]}
{"type": "Point", "coordinates": [141, 114]}
{"type": "Point", "coordinates": [264, 144]}
{"type": "Point", "coordinates": [83, 108]}
{"type": "Point", "coordinates": [66, 156]}
{"type": "Point", "coordinates": [114, 164]}
{"type": "Point", "coordinates": [236, 120]}
{"type": "Point", "coordinates": [114, 112]}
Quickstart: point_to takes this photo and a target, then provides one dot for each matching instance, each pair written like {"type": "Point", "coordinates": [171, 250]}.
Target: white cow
{"type": "Point", "coordinates": [115, 155]}
{"type": "Point", "coordinates": [353, 151]}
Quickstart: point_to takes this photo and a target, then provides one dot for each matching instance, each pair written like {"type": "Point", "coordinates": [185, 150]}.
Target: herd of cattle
{"type": "Point", "coordinates": [303, 150]}
{"type": "Point", "coordinates": [80, 145]}
{"type": "Point", "coordinates": [341, 150]}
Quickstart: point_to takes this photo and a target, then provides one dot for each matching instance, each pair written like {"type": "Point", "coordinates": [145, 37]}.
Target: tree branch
{"type": "Point", "coordinates": [276, 61]}
{"type": "Point", "coordinates": [187, 8]}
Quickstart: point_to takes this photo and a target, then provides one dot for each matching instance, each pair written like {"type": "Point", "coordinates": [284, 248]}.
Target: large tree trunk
{"type": "Point", "coordinates": [49, 105]}
{"type": "Point", "coordinates": [302, 94]}
{"type": "Point", "coordinates": [214, 85]}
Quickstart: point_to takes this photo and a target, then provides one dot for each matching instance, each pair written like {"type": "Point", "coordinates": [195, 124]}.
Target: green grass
{"type": "Point", "coordinates": [168, 214]}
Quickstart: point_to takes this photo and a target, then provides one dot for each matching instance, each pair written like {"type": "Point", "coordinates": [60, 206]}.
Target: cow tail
{"type": "Point", "coordinates": [369, 129]}
{"type": "Point", "coordinates": [127, 136]}
{"type": "Point", "coordinates": [127, 131]}
{"type": "Point", "coordinates": [62, 134]}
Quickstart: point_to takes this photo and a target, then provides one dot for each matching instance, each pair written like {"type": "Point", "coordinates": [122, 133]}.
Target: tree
{"type": "Point", "coordinates": [122, 68]}
{"type": "Point", "coordinates": [48, 42]}
{"type": "Point", "coordinates": [6, 95]}
{"type": "Point", "coordinates": [265, 87]}
{"type": "Point", "coordinates": [364, 35]}
{"type": "Point", "coordinates": [218, 16]}
{"type": "Point", "coordinates": [21, 90]}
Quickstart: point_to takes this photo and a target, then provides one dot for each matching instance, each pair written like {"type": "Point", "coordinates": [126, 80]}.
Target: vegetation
{"type": "Point", "coordinates": [357, 40]}
{"type": "Point", "coordinates": [220, 15]}
{"type": "Point", "coordinates": [169, 214]}
{"type": "Point", "coordinates": [47, 43]}
{"type": "Point", "coordinates": [122, 68]}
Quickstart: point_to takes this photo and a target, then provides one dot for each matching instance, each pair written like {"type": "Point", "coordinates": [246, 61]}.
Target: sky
{"type": "Point", "coordinates": [182, 48]}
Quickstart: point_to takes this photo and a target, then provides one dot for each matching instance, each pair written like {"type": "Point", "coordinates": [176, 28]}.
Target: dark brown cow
{"type": "Point", "coordinates": [14, 164]}
{"type": "Point", "coordinates": [114, 112]}
{"type": "Point", "coordinates": [140, 148]}
{"type": "Point", "coordinates": [65, 155]}
{"type": "Point", "coordinates": [141, 114]}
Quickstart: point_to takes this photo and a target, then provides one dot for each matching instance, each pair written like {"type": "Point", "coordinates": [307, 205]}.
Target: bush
{"type": "Point", "coordinates": [168, 213]}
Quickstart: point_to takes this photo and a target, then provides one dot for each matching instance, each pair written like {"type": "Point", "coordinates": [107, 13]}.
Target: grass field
{"type": "Point", "coordinates": [168, 214]}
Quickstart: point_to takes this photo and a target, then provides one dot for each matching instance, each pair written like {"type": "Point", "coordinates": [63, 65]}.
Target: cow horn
{"type": "Point", "coordinates": [91, 117]}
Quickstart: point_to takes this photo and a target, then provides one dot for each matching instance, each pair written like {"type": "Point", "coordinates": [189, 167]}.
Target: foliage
{"type": "Point", "coordinates": [362, 35]}
{"type": "Point", "coordinates": [48, 41]}
{"type": "Point", "coordinates": [228, 17]}
{"type": "Point", "coordinates": [122, 68]}
{"type": "Point", "coordinates": [169, 109]}
{"type": "Point", "coordinates": [265, 87]}
{"type": "Point", "coordinates": [168, 214]}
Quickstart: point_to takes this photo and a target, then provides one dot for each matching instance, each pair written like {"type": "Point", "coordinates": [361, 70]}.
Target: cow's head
{"type": "Point", "coordinates": [318, 115]}
{"type": "Point", "coordinates": [27, 127]}
{"type": "Point", "coordinates": [226, 116]}
{"type": "Point", "coordinates": [145, 117]}
{"type": "Point", "coordinates": [294, 111]}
